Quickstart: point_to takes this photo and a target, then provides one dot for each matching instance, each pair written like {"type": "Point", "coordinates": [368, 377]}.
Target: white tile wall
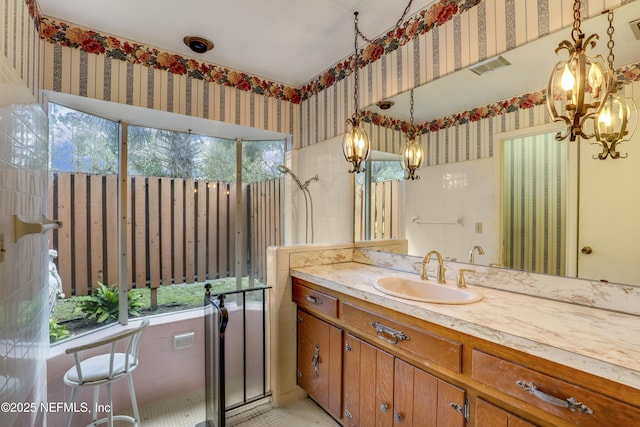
{"type": "Point", "coordinates": [332, 194]}
{"type": "Point", "coordinates": [466, 191]}
{"type": "Point", "coordinates": [24, 312]}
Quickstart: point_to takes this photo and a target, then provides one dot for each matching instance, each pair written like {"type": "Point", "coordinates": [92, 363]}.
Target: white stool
{"type": "Point", "coordinates": [105, 369]}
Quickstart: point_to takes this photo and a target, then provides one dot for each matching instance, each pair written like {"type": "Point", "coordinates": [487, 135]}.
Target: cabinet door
{"type": "Point", "coordinates": [423, 400]}
{"type": "Point", "coordinates": [368, 384]}
{"type": "Point", "coordinates": [319, 361]}
{"type": "Point", "coordinates": [488, 415]}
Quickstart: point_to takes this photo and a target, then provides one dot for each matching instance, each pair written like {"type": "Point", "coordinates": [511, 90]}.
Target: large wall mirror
{"type": "Point", "coordinates": [530, 202]}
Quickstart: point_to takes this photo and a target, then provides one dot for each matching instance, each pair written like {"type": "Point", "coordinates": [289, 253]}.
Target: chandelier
{"type": "Point", "coordinates": [581, 83]}
{"type": "Point", "coordinates": [618, 118]}
{"type": "Point", "coordinates": [412, 153]}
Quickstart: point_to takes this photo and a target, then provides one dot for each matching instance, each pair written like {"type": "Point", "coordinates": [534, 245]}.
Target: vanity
{"type": "Point", "coordinates": [509, 359]}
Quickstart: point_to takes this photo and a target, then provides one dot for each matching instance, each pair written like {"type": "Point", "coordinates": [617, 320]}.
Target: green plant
{"type": "Point", "coordinates": [103, 304]}
{"type": "Point", "coordinates": [57, 332]}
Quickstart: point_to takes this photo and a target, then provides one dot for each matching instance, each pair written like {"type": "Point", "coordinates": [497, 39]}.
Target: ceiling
{"type": "Point", "coordinates": [285, 41]}
{"type": "Point", "coordinates": [292, 42]}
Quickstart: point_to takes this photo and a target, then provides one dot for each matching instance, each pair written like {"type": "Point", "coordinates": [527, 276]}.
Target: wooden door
{"type": "Point", "coordinates": [368, 384]}
{"type": "Point", "coordinates": [319, 361]}
{"type": "Point", "coordinates": [422, 400]}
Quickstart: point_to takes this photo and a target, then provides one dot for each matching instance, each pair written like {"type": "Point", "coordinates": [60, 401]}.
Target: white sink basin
{"type": "Point", "coordinates": [420, 290]}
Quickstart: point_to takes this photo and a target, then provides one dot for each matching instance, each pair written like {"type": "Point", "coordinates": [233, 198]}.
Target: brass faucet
{"type": "Point", "coordinates": [426, 259]}
{"type": "Point", "coordinates": [472, 251]}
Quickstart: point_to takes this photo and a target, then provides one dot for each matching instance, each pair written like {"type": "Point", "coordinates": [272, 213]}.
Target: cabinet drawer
{"type": "Point", "coordinates": [552, 394]}
{"type": "Point", "coordinates": [429, 347]}
{"type": "Point", "coordinates": [314, 300]}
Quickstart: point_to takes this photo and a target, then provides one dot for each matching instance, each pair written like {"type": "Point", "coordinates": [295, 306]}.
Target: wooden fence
{"type": "Point", "coordinates": [384, 220]}
{"type": "Point", "coordinates": [179, 230]}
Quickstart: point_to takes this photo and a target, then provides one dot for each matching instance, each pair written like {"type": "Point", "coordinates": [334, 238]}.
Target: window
{"type": "Point", "coordinates": [182, 216]}
{"type": "Point", "coordinates": [377, 200]}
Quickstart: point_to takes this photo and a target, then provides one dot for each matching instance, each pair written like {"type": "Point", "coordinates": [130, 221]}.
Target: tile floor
{"type": "Point", "coordinates": [188, 411]}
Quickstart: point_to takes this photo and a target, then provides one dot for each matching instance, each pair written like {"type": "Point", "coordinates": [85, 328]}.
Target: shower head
{"type": "Point", "coordinates": [285, 170]}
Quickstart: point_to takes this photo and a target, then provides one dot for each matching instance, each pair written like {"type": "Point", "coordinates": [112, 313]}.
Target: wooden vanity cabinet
{"type": "Point", "coordinates": [382, 368]}
{"type": "Point", "coordinates": [382, 390]}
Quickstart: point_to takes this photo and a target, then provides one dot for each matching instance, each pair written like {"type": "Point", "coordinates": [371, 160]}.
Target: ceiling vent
{"type": "Point", "coordinates": [635, 27]}
{"type": "Point", "coordinates": [489, 65]}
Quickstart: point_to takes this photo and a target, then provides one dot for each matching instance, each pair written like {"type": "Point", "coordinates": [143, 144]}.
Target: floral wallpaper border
{"type": "Point", "coordinates": [66, 34]}
{"type": "Point", "coordinates": [627, 74]}
{"type": "Point", "coordinates": [436, 15]}
{"type": "Point", "coordinates": [55, 31]}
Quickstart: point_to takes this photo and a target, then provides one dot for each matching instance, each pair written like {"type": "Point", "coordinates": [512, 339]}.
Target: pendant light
{"type": "Point", "coordinates": [581, 83]}
{"type": "Point", "coordinates": [618, 118]}
{"type": "Point", "coordinates": [355, 144]}
{"type": "Point", "coordinates": [412, 152]}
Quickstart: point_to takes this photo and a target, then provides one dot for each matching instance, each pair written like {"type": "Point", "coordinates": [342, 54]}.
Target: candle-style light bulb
{"type": "Point", "coordinates": [595, 78]}
{"type": "Point", "coordinates": [567, 81]}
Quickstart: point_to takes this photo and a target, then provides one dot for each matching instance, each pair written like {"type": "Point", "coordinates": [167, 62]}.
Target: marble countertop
{"type": "Point", "coordinates": [604, 343]}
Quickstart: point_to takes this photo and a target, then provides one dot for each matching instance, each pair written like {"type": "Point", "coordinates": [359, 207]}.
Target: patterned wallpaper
{"type": "Point", "coordinates": [20, 45]}
{"type": "Point", "coordinates": [447, 36]}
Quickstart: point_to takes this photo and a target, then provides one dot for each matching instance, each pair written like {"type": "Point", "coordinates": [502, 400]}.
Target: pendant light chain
{"type": "Point", "coordinates": [575, 33]}
{"type": "Point", "coordinates": [610, 43]}
{"type": "Point", "coordinates": [356, 66]}
{"type": "Point", "coordinates": [411, 110]}
{"type": "Point", "coordinates": [404, 15]}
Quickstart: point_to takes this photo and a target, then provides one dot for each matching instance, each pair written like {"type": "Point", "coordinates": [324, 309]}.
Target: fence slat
{"type": "Point", "coordinates": [63, 182]}
{"type": "Point", "coordinates": [231, 231]}
{"type": "Point", "coordinates": [153, 218]}
{"type": "Point", "coordinates": [212, 231]}
{"type": "Point", "coordinates": [130, 233]}
{"type": "Point", "coordinates": [140, 231]}
{"type": "Point", "coordinates": [245, 229]}
{"type": "Point", "coordinates": [79, 234]}
{"type": "Point", "coordinates": [178, 230]}
{"type": "Point", "coordinates": [201, 231]}
{"type": "Point", "coordinates": [166, 222]}
{"type": "Point", "coordinates": [223, 228]}
{"type": "Point", "coordinates": [111, 226]}
{"type": "Point", "coordinates": [189, 231]}
{"type": "Point", "coordinates": [96, 229]}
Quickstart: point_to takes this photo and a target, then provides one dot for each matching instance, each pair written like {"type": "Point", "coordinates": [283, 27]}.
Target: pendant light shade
{"type": "Point", "coordinates": [412, 152]}
{"type": "Point", "coordinates": [412, 158]}
{"type": "Point", "coordinates": [355, 146]}
{"type": "Point", "coordinates": [618, 117]}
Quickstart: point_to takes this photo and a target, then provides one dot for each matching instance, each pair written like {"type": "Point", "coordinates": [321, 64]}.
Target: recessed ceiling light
{"type": "Point", "coordinates": [384, 105]}
{"type": "Point", "coordinates": [198, 44]}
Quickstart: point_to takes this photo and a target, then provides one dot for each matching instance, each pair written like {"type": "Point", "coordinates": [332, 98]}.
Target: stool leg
{"type": "Point", "coordinates": [110, 414]}
{"type": "Point", "coordinates": [96, 399]}
{"type": "Point", "coordinates": [74, 394]}
{"type": "Point", "coordinates": [134, 402]}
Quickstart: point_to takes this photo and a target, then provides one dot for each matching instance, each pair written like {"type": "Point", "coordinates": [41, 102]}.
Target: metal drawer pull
{"type": "Point", "coordinates": [396, 336]}
{"type": "Point", "coordinates": [571, 403]}
{"type": "Point", "coordinates": [384, 407]}
{"type": "Point", "coordinates": [315, 361]}
{"type": "Point", "coordinates": [314, 300]}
